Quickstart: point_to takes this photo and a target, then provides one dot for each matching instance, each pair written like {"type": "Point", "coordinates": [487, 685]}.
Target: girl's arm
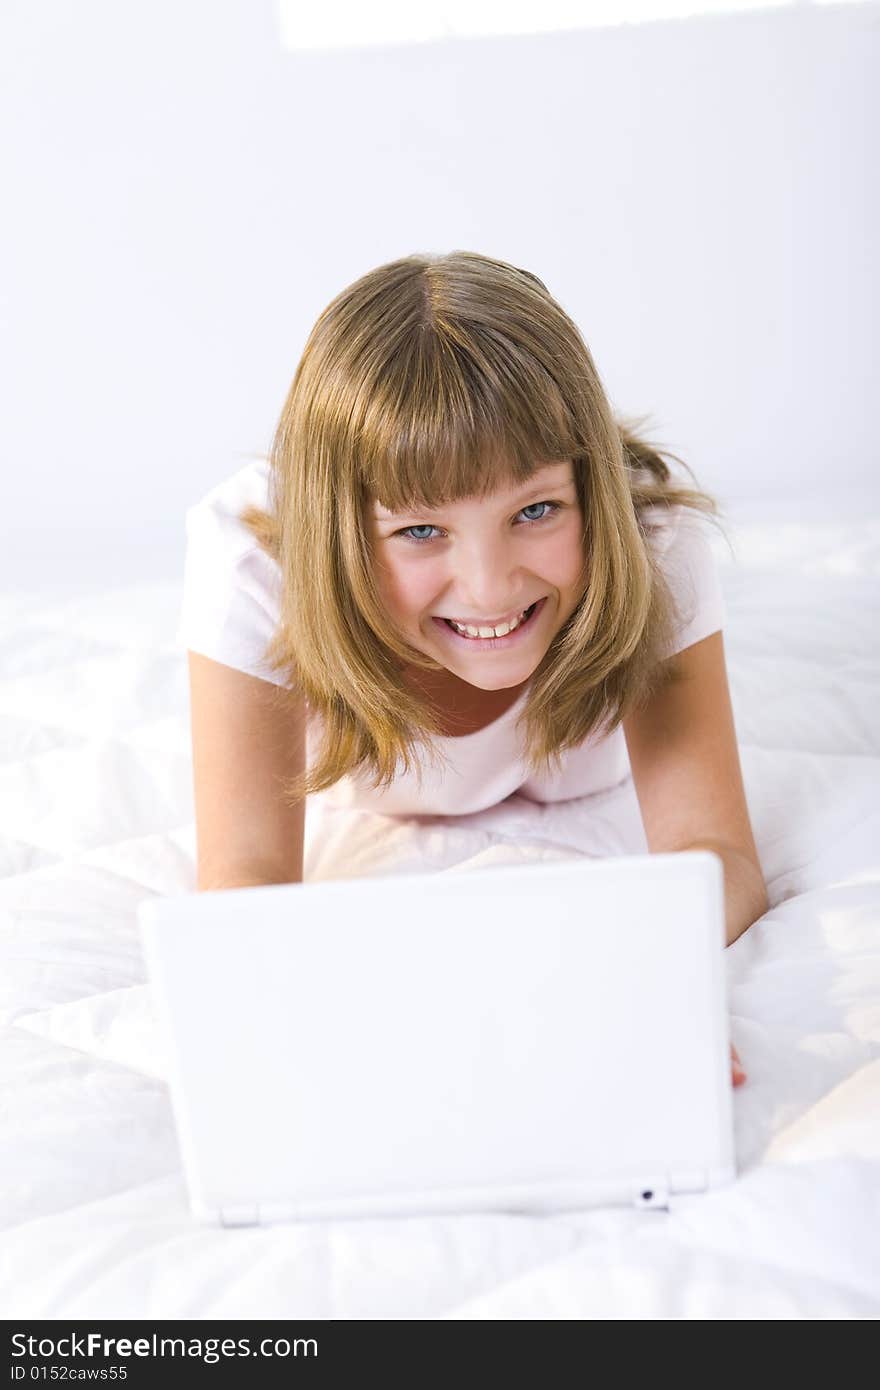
{"type": "Point", "coordinates": [745, 892]}
{"type": "Point", "coordinates": [247, 735]}
{"type": "Point", "coordinates": [686, 770]}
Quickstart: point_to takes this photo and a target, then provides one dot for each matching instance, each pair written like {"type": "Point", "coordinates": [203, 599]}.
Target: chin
{"type": "Point", "coordinates": [500, 682]}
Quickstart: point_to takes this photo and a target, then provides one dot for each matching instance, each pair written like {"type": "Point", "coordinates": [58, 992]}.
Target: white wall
{"type": "Point", "coordinates": [182, 198]}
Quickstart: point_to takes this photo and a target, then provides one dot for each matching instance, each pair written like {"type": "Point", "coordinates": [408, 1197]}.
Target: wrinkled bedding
{"type": "Point", "coordinates": [96, 814]}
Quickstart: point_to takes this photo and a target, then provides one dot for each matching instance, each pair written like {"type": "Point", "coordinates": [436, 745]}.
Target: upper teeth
{"type": "Point", "coordinates": [500, 631]}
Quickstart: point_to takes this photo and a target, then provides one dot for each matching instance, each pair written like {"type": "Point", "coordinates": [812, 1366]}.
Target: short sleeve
{"type": "Point", "coordinates": [230, 604]}
{"type": "Point", "coordinates": [688, 562]}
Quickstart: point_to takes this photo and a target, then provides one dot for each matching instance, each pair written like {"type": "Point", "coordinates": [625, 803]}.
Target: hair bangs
{"type": "Point", "coordinates": [460, 416]}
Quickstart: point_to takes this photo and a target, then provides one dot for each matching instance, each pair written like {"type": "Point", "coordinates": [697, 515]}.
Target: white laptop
{"type": "Point", "coordinates": [532, 1038]}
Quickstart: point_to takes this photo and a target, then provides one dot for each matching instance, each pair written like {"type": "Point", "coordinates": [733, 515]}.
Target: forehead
{"type": "Point", "coordinates": [557, 474]}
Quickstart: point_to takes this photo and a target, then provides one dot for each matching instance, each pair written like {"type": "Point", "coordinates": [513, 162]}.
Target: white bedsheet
{"type": "Point", "coordinates": [96, 813]}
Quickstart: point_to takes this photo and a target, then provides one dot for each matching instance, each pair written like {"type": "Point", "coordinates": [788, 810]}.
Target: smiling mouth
{"type": "Point", "coordinates": [509, 617]}
{"type": "Point", "coordinates": [487, 631]}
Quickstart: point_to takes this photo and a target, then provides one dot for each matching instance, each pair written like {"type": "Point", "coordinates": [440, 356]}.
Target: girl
{"type": "Point", "coordinates": [457, 576]}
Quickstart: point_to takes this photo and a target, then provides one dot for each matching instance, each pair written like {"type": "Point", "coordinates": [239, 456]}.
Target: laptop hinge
{"type": "Point", "coordinates": [247, 1215]}
{"type": "Point", "coordinates": [685, 1180]}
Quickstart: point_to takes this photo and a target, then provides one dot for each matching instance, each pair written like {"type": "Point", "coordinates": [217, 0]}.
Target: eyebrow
{"type": "Point", "coordinates": [382, 514]}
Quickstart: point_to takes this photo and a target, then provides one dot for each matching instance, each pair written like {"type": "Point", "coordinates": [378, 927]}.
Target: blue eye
{"type": "Point", "coordinates": [532, 505]}
{"type": "Point", "coordinates": [532, 521]}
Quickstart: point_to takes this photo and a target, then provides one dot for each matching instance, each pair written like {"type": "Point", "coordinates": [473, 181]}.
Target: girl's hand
{"type": "Point", "coordinates": [739, 1075]}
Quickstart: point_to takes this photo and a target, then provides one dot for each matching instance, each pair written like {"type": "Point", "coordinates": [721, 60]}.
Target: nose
{"type": "Point", "coordinates": [486, 583]}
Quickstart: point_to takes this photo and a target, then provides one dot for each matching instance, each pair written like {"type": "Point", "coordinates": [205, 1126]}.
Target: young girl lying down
{"type": "Point", "coordinates": [456, 576]}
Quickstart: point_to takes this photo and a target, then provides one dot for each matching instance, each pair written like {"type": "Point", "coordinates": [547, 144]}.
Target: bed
{"type": "Point", "coordinates": [97, 814]}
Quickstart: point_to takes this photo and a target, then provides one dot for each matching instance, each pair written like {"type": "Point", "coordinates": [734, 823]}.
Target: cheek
{"type": "Point", "coordinates": [577, 560]}
{"type": "Point", "coordinates": [563, 560]}
{"type": "Point", "coordinates": [409, 588]}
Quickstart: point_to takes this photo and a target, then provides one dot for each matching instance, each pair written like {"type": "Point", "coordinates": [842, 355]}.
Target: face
{"type": "Point", "coordinates": [515, 557]}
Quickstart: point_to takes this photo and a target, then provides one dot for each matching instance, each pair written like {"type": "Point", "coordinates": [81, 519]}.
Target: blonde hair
{"type": "Point", "coordinates": [433, 378]}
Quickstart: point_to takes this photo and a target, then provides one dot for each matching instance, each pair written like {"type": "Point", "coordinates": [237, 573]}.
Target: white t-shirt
{"type": "Point", "coordinates": [230, 610]}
